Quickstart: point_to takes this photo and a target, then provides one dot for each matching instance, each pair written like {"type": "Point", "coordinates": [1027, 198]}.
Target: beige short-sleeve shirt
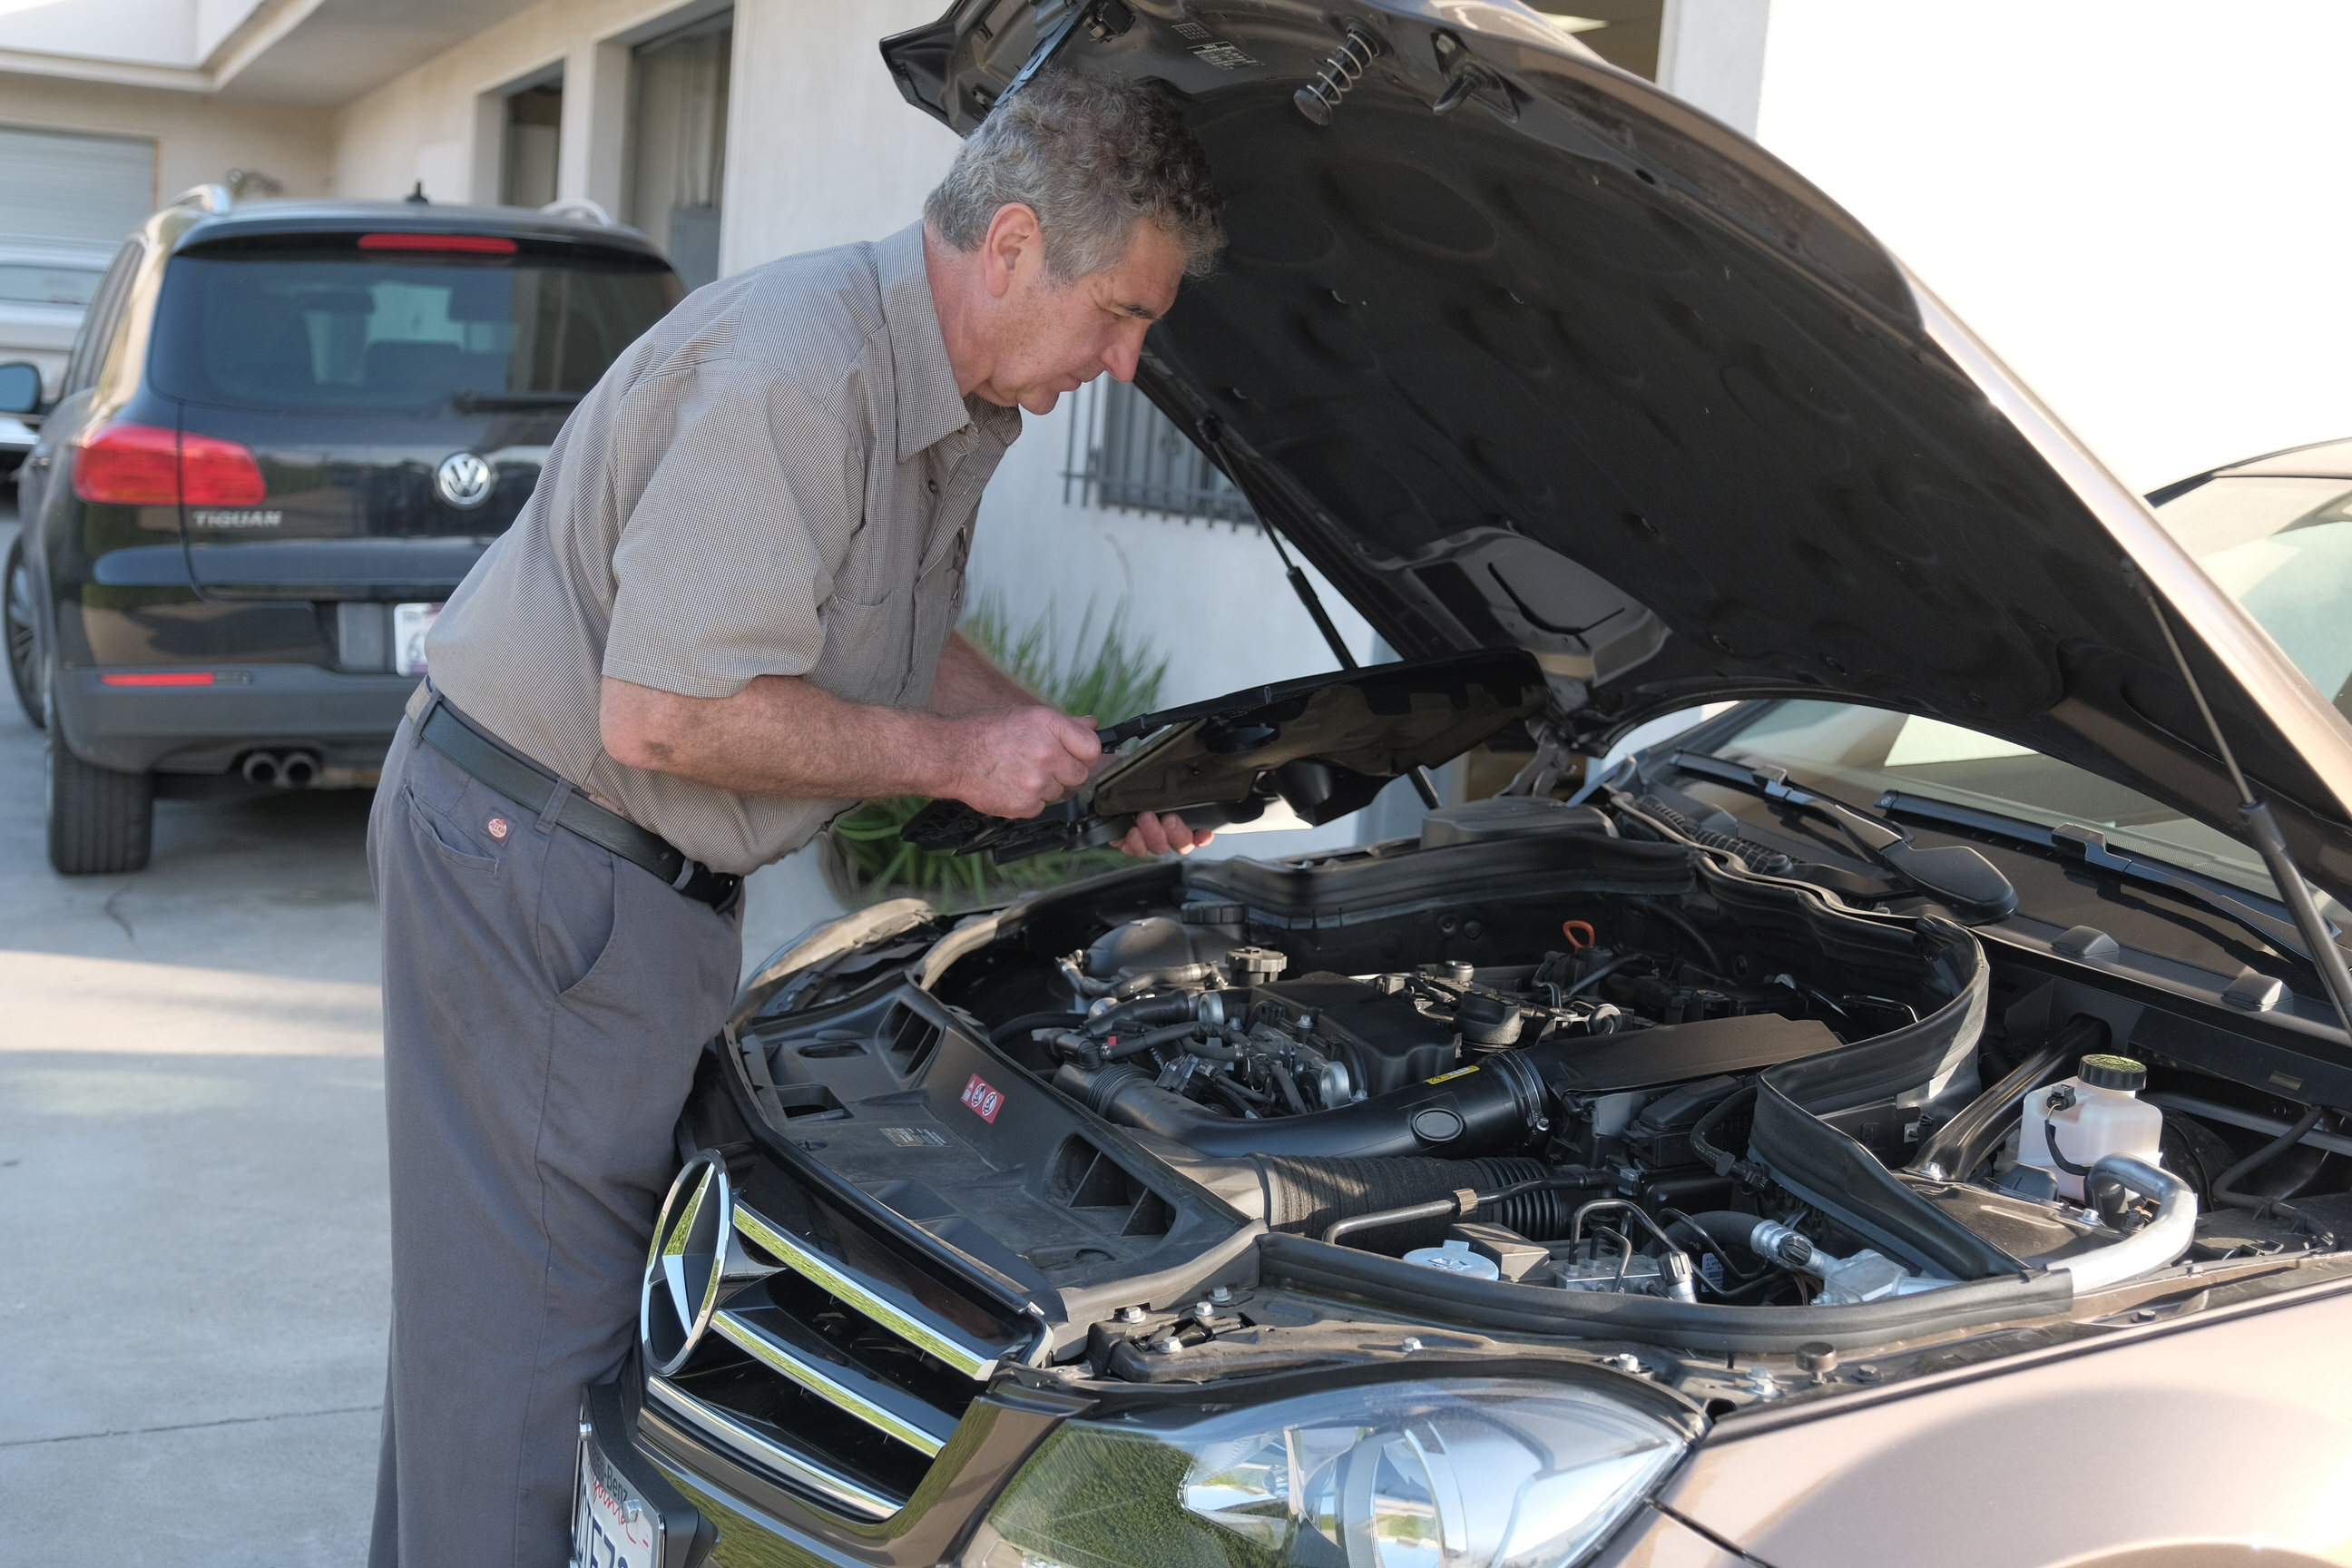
{"type": "Point", "coordinates": [779, 479]}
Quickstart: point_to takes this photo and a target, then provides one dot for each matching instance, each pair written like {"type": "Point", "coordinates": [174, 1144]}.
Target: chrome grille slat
{"type": "Point", "coordinates": [888, 1410]}
{"type": "Point", "coordinates": [839, 1490]}
{"type": "Point", "coordinates": [890, 1309]}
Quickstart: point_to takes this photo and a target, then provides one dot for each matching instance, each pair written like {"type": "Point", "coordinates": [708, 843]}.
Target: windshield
{"type": "Point", "coordinates": [2281, 546]}
{"type": "Point", "coordinates": [349, 330]}
{"type": "Point", "coordinates": [23, 284]}
{"type": "Point", "coordinates": [1859, 753]}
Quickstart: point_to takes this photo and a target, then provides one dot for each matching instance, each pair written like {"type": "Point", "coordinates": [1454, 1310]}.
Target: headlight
{"type": "Point", "coordinates": [1438, 1473]}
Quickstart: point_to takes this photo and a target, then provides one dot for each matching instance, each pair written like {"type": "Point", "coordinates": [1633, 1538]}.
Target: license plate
{"type": "Point", "coordinates": [409, 625]}
{"type": "Point", "coordinates": [612, 1526]}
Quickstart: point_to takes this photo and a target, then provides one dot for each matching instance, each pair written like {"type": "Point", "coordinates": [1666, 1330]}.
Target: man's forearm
{"type": "Point", "coordinates": [780, 735]}
{"type": "Point", "coordinates": [966, 681]}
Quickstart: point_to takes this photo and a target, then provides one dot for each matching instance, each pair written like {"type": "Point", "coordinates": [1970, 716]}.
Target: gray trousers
{"type": "Point", "coordinates": [544, 1003]}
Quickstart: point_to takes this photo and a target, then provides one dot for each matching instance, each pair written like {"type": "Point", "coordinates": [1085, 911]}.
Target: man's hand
{"type": "Point", "coordinates": [1017, 764]}
{"type": "Point", "coordinates": [1154, 835]}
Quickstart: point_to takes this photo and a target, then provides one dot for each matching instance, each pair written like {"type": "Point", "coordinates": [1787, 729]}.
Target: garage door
{"type": "Point", "coordinates": [57, 185]}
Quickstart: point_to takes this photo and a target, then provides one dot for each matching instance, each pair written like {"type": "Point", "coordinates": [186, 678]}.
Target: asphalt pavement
{"type": "Point", "coordinates": [191, 1181]}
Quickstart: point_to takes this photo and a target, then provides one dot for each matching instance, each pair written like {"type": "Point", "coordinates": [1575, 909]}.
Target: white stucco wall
{"type": "Point", "coordinates": [426, 123]}
{"type": "Point", "coordinates": [198, 138]}
{"type": "Point", "coordinates": [2137, 203]}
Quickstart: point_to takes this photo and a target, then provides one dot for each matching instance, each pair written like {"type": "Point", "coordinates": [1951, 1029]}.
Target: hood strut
{"type": "Point", "coordinates": [2263, 829]}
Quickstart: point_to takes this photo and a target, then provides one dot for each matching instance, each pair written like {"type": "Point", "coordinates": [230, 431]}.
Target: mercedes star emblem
{"type": "Point", "coordinates": [465, 481]}
{"type": "Point", "coordinates": [684, 1267]}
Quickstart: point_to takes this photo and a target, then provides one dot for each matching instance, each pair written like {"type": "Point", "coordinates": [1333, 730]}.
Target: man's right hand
{"type": "Point", "coordinates": [1018, 761]}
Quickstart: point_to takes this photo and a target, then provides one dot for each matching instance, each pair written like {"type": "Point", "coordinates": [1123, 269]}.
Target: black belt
{"type": "Point", "coordinates": [524, 782]}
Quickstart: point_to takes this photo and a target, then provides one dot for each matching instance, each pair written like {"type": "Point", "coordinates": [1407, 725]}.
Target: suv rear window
{"type": "Point", "coordinates": [344, 328]}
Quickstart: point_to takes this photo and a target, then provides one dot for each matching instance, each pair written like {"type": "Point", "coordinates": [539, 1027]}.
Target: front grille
{"type": "Point", "coordinates": [842, 1383]}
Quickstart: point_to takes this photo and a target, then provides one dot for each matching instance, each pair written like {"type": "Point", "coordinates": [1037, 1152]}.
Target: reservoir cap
{"type": "Point", "coordinates": [2103, 1071]}
{"type": "Point", "coordinates": [1455, 1257]}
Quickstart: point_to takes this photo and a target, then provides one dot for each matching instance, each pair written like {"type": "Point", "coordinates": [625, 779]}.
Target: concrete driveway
{"type": "Point", "coordinates": [191, 1181]}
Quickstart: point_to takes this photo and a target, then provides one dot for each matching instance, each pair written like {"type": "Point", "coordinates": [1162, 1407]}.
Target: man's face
{"type": "Point", "coordinates": [1056, 337]}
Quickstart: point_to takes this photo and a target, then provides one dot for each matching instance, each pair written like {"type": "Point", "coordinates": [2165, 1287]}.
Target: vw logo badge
{"type": "Point", "coordinates": [465, 481]}
{"type": "Point", "coordinates": [686, 1264]}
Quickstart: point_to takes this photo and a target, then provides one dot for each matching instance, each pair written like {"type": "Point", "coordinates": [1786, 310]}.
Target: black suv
{"type": "Point", "coordinates": [285, 433]}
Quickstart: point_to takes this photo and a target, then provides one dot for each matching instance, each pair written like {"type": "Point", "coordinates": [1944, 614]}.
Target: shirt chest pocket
{"type": "Point", "coordinates": [866, 649]}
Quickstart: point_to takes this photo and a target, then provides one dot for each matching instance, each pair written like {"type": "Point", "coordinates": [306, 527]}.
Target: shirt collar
{"type": "Point", "coordinates": [929, 407]}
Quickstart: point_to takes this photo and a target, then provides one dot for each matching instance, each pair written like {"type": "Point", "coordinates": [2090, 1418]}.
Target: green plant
{"type": "Point", "coordinates": [1108, 673]}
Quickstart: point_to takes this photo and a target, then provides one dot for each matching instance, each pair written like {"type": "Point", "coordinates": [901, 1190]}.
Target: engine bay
{"type": "Point", "coordinates": [1553, 1068]}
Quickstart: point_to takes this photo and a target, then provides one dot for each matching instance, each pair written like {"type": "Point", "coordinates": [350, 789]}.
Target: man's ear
{"type": "Point", "coordinates": [1013, 246]}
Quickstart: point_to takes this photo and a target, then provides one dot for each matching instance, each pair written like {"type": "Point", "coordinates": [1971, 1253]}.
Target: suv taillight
{"type": "Point", "coordinates": [145, 465]}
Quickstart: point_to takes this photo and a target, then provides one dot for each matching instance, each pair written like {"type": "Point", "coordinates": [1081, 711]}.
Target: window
{"type": "Point", "coordinates": [2281, 546]}
{"type": "Point", "coordinates": [1125, 454]}
{"type": "Point", "coordinates": [97, 334]}
{"type": "Point", "coordinates": [677, 160]}
{"type": "Point", "coordinates": [332, 330]}
{"type": "Point", "coordinates": [534, 140]}
{"type": "Point", "coordinates": [24, 284]}
{"type": "Point", "coordinates": [1861, 753]}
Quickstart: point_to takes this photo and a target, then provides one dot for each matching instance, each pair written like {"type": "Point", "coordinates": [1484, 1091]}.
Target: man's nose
{"type": "Point", "coordinates": [1120, 358]}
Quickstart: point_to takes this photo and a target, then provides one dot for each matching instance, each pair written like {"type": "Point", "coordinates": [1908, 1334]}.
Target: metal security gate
{"type": "Point", "coordinates": [60, 184]}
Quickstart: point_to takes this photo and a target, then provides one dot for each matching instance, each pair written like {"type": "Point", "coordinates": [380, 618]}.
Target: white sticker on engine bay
{"type": "Point", "coordinates": [914, 1138]}
{"type": "Point", "coordinates": [1211, 49]}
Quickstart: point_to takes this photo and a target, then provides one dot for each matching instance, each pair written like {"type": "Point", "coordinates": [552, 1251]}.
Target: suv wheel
{"type": "Point", "coordinates": [101, 821]}
{"type": "Point", "coordinates": [21, 625]}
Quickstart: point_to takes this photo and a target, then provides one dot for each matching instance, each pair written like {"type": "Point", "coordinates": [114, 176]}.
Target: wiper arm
{"type": "Point", "coordinates": [468, 401]}
{"type": "Point", "coordinates": [2089, 846]}
{"type": "Point", "coordinates": [1955, 873]}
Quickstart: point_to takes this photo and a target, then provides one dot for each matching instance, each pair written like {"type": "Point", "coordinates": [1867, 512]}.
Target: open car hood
{"type": "Point", "coordinates": [1522, 352]}
{"type": "Point", "coordinates": [1323, 746]}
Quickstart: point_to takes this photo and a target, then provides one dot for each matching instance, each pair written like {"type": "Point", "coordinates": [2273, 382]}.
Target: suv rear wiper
{"type": "Point", "coordinates": [1955, 873]}
{"type": "Point", "coordinates": [467, 402]}
{"type": "Point", "coordinates": [2089, 846]}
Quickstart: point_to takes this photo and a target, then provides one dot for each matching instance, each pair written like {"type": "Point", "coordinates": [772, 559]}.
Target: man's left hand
{"type": "Point", "coordinates": [1155, 835]}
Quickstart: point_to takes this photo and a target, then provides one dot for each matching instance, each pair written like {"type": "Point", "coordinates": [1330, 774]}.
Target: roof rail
{"type": "Point", "coordinates": [212, 198]}
{"type": "Point", "coordinates": [579, 208]}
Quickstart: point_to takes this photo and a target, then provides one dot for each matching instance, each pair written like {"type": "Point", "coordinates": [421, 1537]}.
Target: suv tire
{"type": "Point", "coordinates": [101, 821]}
{"type": "Point", "coordinates": [20, 623]}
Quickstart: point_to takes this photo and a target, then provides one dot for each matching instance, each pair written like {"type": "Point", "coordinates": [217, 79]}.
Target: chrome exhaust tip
{"type": "Point", "coordinates": [298, 769]}
{"type": "Point", "coordinates": [261, 768]}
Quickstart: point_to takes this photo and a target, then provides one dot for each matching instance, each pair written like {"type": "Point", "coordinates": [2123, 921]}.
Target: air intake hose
{"type": "Point", "coordinates": [1307, 1196]}
{"type": "Point", "coordinates": [1459, 1115]}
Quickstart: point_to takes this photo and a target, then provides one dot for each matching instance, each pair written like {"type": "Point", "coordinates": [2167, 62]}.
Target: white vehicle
{"type": "Point", "coordinates": [45, 286]}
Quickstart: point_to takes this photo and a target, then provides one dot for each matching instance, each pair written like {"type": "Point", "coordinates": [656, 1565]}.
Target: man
{"type": "Point", "coordinates": [726, 614]}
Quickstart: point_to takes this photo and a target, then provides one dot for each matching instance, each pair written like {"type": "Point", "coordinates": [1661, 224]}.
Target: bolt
{"type": "Point", "coordinates": [1221, 1294]}
{"type": "Point", "coordinates": [1167, 1344]}
{"type": "Point", "coordinates": [587, 1429]}
{"type": "Point", "coordinates": [1202, 1309]}
{"type": "Point", "coordinates": [1624, 1363]}
{"type": "Point", "coordinates": [1411, 1344]}
{"type": "Point", "coordinates": [632, 1510]}
{"type": "Point", "coordinates": [1130, 1314]}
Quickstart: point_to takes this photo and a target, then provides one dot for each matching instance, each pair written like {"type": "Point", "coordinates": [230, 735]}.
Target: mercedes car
{"type": "Point", "coordinates": [1902, 1118]}
{"type": "Point", "coordinates": [285, 433]}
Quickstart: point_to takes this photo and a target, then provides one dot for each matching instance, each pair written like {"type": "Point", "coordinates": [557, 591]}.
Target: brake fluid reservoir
{"type": "Point", "coordinates": [2066, 1127]}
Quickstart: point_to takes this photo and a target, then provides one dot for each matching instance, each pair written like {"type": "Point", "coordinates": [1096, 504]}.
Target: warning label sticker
{"type": "Point", "coordinates": [983, 1098]}
{"type": "Point", "coordinates": [914, 1136]}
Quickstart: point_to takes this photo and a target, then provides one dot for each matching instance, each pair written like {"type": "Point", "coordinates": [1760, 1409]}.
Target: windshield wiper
{"type": "Point", "coordinates": [2088, 845]}
{"type": "Point", "coordinates": [1955, 873]}
{"type": "Point", "coordinates": [468, 401]}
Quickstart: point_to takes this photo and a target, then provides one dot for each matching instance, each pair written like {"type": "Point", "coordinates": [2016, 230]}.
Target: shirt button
{"type": "Point", "coordinates": [933, 485]}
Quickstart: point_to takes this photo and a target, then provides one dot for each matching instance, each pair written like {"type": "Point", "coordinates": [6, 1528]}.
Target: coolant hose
{"type": "Point", "coordinates": [2151, 1247]}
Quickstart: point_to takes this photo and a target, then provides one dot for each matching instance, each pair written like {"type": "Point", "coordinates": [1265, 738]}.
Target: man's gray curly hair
{"type": "Point", "coordinates": [1089, 157]}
